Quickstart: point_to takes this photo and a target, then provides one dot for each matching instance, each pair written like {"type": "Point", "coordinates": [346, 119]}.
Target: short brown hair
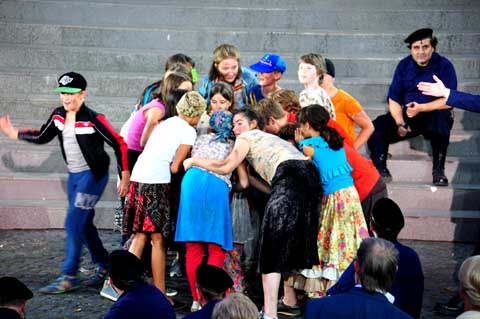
{"type": "Point", "coordinates": [288, 99]}
{"type": "Point", "coordinates": [267, 108]}
{"type": "Point", "coordinates": [316, 60]}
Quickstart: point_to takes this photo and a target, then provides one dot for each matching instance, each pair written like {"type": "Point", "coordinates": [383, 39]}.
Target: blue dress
{"type": "Point", "coordinates": [204, 212]}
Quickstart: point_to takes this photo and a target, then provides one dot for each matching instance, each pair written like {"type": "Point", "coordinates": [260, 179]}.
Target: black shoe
{"type": "Point", "coordinates": [440, 180]}
{"type": "Point", "coordinates": [446, 309]}
{"type": "Point", "coordinates": [385, 174]}
{"type": "Point", "coordinates": [286, 310]}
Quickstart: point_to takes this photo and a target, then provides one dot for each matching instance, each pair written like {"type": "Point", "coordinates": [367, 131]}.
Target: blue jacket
{"type": "Point", "coordinates": [355, 304]}
{"type": "Point", "coordinates": [142, 301]}
{"type": "Point", "coordinates": [204, 313]}
{"type": "Point", "coordinates": [249, 80]}
{"type": "Point", "coordinates": [464, 101]}
{"type": "Point", "coordinates": [407, 287]}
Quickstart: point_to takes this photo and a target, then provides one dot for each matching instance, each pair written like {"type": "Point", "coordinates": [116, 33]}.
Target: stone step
{"type": "Point", "coordinates": [463, 120]}
{"type": "Point", "coordinates": [412, 195]}
{"type": "Point", "coordinates": [21, 157]}
{"type": "Point", "coordinates": [393, 4]}
{"type": "Point", "coordinates": [460, 226]}
{"type": "Point", "coordinates": [416, 192]}
{"type": "Point", "coordinates": [42, 61]}
{"type": "Point", "coordinates": [462, 144]}
{"type": "Point", "coordinates": [113, 92]}
{"type": "Point", "coordinates": [282, 15]}
{"type": "Point", "coordinates": [44, 187]}
{"type": "Point", "coordinates": [418, 169]}
{"type": "Point", "coordinates": [206, 38]}
{"type": "Point", "coordinates": [406, 163]}
{"type": "Point", "coordinates": [41, 106]}
{"type": "Point", "coordinates": [39, 214]}
{"type": "Point", "coordinates": [441, 225]}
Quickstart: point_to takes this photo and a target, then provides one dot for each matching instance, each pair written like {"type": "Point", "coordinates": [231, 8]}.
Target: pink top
{"type": "Point", "coordinates": [138, 124]}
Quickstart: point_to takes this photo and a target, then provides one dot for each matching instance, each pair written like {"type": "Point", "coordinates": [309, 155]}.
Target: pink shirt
{"type": "Point", "coordinates": [138, 124]}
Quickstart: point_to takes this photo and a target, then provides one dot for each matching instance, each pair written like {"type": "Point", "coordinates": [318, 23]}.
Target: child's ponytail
{"type": "Point", "coordinates": [317, 116]}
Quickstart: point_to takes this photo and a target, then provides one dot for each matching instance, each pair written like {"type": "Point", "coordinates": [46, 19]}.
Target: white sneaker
{"type": "Point", "coordinates": [195, 306]}
{"type": "Point", "coordinates": [171, 292]}
{"type": "Point", "coordinates": [108, 291]}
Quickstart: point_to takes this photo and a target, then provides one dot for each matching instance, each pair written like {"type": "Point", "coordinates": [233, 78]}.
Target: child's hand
{"type": "Point", "coordinates": [298, 135]}
{"type": "Point", "coordinates": [187, 163]}
{"type": "Point", "coordinates": [308, 151]}
{"type": "Point", "coordinates": [7, 128]}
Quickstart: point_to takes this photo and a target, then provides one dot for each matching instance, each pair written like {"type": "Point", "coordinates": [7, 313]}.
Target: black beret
{"type": "Point", "coordinates": [330, 67]}
{"type": "Point", "coordinates": [213, 279]}
{"type": "Point", "coordinates": [13, 289]}
{"type": "Point", "coordinates": [420, 34]}
{"type": "Point", "coordinates": [387, 215]}
{"type": "Point", "coordinates": [125, 266]}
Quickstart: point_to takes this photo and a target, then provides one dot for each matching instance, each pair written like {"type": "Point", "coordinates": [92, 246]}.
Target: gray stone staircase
{"type": "Point", "coordinates": [122, 45]}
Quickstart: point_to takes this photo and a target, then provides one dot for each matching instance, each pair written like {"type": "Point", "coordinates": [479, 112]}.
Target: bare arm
{"type": "Point", "coordinates": [259, 184]}
{"type": "Point", "coordinates": [123, 186]}
{"type": "Point", "coordinates": [7, 128]}
{"type": "Point", "coordinates": [182, 152]}
{"type": "Point", "coordinates": [153, 116]}
{"type": "Point", "coordinates": [414, 108]}
{"type": "Point", "coordinates": [366, 128]}
{"type": "Point", "coordinates": [242, 175]}
{"type": "Point", "coordinates": [242, 178]}
{"type": "Point", "coordinates": [226, 166]}
{"type": "Point", "coordinates": [396, 112]}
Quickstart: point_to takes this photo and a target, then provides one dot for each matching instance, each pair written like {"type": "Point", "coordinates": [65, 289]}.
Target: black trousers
{"type": "Point", "coordinates": [434, 126]}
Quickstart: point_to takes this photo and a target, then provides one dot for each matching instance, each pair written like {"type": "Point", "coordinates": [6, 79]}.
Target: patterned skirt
{"type": "Point", "coordinates": [342, 229]}
{"type": "Point", "coordinates": [147, 210]}
{"type": "Point", "coordinates": [290, 223]}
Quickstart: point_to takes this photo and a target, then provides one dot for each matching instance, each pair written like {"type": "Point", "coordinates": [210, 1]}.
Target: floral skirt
{"type": "Point", "coordinates": [342, 229]}
{"type": "Point", "coordinates": [147, 210]}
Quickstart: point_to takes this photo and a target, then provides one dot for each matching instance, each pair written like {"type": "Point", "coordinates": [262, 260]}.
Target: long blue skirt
{"type": "Point", "coordinates": [204, 213]}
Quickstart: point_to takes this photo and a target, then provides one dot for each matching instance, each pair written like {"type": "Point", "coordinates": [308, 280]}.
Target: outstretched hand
{"type": "Point", "coordinates": [7, 128]}
{"type": "Point", "coordinates": [437, 89]}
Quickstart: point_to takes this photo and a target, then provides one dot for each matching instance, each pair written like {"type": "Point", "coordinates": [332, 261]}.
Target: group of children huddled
{"type": "Point", "coordinates": [251, 151]}
{"type": "Point", "coordinates": [312, 190]}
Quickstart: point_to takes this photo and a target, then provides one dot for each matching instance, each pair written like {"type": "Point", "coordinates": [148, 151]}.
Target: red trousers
{"type": "Point", "coordinates": [196, 252]}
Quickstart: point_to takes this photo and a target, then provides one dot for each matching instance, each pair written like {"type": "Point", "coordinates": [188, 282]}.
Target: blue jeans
{"type": "Point", "coordinates": [84, 191]}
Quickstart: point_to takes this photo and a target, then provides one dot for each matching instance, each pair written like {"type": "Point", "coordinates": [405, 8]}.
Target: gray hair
{"type": "Point", "coordinates": [235, 306]}
{"type": "Point", "coordinates": [377, 259]}
{"type": "Point", "coordinates": [469, 277]}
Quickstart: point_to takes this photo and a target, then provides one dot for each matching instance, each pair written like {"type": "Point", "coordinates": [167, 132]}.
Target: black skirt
{"type": "Point", "coordinates": [290, 225]}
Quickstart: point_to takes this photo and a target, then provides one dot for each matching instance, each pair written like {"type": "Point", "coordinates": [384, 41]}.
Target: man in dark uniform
{"type": "Point", "coordinates": [433, 124]}
{"type": "Point", "coordinates": [13, 298]}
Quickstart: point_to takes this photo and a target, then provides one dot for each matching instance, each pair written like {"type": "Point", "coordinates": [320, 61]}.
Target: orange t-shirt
{"type": "Point", "coordinates": [346, 107]}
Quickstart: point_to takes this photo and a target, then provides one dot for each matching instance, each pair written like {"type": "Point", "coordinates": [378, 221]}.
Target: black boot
{"type": "Point", "coordinates": [380, 163]}
{"type": "Point", "coordinates": [438, 169]}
